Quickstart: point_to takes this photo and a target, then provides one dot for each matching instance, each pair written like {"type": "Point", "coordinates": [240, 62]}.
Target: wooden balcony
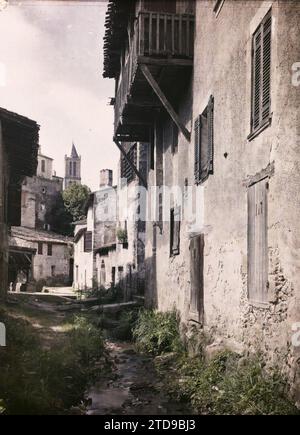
{"type": "Point", "coordinates": [163, 42]}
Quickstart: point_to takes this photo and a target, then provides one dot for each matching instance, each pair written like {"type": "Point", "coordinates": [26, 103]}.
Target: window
{"type": "Point", "coordinates": [126, 170]}
{"type": "Point", "coordinates": [88, 241]}
{"type": "Point", "coordinates": [74, 169]}
{"type": "Point", "coordinates": [261, 75]}
{"type": "Point", "coordinates": [218, 6]}
{"type": "Point", "coordinates": [77, 274]}
{"type": "Point", "coordinates": [70, 169]}
{"type": "Point", "coordinates": [40, 248]}
{"type": "Point", "coordinates": [43, 166]}
{"type": "Point", "coordinates": [258, 242]}
{"type": "Point", "coordinates": [175, 133]}
{"type": "Point", "coordinates": [175, 223]}
{"type": "Point", "coordinates": [50, 250]}
{"type": "Point", "coordinates": [52, 271]}
{"type": "Point", "coordinates": [204, 143]}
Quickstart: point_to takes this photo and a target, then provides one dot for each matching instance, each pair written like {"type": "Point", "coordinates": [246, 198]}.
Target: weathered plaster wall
{"type": "Point", "coordinates": [225, 44]}
{"type": "Point", "coordinates": [167, 277]}
{"type": "Point", "coordinates": [42, 264]}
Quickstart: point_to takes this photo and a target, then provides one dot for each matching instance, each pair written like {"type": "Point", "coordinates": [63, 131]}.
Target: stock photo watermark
{"type": "Point", "coordinates": [2, 335]}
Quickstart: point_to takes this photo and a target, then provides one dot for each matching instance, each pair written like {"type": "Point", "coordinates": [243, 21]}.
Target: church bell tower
{"type": "Point", "coordinates": [72, 168]}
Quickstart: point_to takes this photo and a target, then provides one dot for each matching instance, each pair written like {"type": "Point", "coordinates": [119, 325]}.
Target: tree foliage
{"type": "Point", "coordinates": [59, 218]}
{"type": "Point", "coordinates": [75, 198]}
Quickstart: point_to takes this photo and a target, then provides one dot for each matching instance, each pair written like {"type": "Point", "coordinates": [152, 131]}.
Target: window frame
{"type": "Point", "coordinates": [49, 249]}
{"type": "Point", "coordinates": [175, 231]}
{"type": "Point", "coordinates": [263, 123]}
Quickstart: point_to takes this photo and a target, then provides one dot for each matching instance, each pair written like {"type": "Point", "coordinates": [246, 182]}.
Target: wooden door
{"type": "Point", "coordinates": [197, 278]}
{"type": "Point", "coordinates": [258, 242]}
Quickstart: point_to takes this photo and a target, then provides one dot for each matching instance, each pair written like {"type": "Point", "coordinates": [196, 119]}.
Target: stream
{"type": "Point", "coordinates": [135, 387]}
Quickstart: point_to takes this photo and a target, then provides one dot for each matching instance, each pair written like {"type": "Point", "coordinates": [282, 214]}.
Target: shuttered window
{"type": "Point", "coordinates": [204, 143]}
{"type": "Point", "coordinates": [258, 242]}
{"type": "Point", "coordinates": [261, 74]}
{"type": "Point", "coordinates": [88, 241]}
{"type": "Point", "coordinates": [126, 170]}
{"type": "Point", "coordinates": [175, 224]}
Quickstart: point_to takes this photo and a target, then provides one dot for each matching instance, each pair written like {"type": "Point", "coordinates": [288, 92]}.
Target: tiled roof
{"type": "Point", "coordinates": [32, 235]}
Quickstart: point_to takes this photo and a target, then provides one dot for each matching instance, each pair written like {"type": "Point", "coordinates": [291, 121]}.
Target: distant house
{"type": "Point", "coordinates": [39, 258]}
{"type": "Point", "coordinates": [19, 137]}
{"type": "Point", "coordinates": [109, 246]}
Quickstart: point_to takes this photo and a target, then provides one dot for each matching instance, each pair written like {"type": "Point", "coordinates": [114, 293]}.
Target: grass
{"type": "Point", "coordinates": [227, 385]}
{"type": "Point", "coordinates": [40, 380]}
{"type": "Point", "coordinates": [156, 333]}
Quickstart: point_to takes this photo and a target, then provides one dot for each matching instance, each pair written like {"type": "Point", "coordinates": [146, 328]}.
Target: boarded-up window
{"type": "Point", "coordinates": [175, 223]}
{"type": "Point", "coordinates": [204, 143]}
{"type": "Point", "coordinates": [258, 242]}
{"type": "Point", "coordinates": [88, 241]}
{"type": "Point", "coordinates": [261, 74]}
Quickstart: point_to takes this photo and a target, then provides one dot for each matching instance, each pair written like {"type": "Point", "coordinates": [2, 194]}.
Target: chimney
{"type": "Point", "coordinates": [106, 178]}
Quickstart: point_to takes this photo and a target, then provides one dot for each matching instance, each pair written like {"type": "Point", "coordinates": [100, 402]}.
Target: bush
{"type": "Point", "coordinates": [156, 333]}
{"type": "Point", "coordinates": [225, 387]}
{"type": "Point", "coordinates": [38, 381]}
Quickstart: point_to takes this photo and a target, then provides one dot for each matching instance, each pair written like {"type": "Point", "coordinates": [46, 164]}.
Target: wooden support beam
{"type": "Point", "coordinates": [153, 83]}
{"type": "Point", "coordinates": [131, 164]}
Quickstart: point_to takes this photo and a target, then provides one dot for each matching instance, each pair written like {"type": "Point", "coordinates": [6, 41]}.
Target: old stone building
{"type": "Point", "coordinates": [72, 168]}
{"type": "Point", "coordinates": [40, 194]}
{"type": "Point", "coordinates": [18, 159]}
{"type": "Point", "coordinates": [38, 256]}
{"type": "Point", "coordinates": [210, 86]}
{"type": "Point", "coordinates": [110, 245]}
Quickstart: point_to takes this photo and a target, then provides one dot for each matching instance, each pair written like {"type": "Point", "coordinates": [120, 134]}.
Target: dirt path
{"type": "Point", "coordinates": [135, 390]}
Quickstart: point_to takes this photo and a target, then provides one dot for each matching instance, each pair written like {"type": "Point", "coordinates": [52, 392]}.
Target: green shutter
{"type": "Point", "coordinates": [261, 73]}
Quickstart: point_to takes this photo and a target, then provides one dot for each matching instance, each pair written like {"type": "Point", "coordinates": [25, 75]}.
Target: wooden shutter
{"type": "Point", "coordinates": [197, 278]}
{"type": "Point", "coordinates": [266, 78]}
{"type": "Point", "coordinates": [204, 143]}
{"type": "Point", "coordinates": [197, 149]}
{"type": "Point", "coordinates": [258, 242]}
{"type": "Point", "coordinates": [210, 119]}
{"type": "Point", "coordinates": [88, 241]}
{"type": "Point", "coordinates": [175, 230]}
{"type": "Point", "coordinates": [261, 73]}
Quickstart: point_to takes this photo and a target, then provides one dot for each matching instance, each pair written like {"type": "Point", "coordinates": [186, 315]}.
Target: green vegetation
{"type": "Point", "coordinates": [59, 218]}
{"type": "Point", "coordinates": [75, 198]}
{"type": "Point", "coordinates": [157, 333]}
{"type": "Point", "coordinates": [51, 379]}
{"type": "Point", "coordinates": [227, 385]}
{"type": "Point", "coordinates": [122, 235]}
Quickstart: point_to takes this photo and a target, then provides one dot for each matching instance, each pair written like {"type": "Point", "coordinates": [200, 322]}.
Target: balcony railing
{"type": "Point", "coordinates": [156, 36]}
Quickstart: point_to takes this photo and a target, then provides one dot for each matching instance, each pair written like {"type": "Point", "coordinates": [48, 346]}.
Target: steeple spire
{"type": "Point", "coordinates": [74, 154]}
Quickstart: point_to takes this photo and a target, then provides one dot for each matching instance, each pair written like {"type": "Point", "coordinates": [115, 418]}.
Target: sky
{"type": "Point", "coordinates": [51, 62]}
